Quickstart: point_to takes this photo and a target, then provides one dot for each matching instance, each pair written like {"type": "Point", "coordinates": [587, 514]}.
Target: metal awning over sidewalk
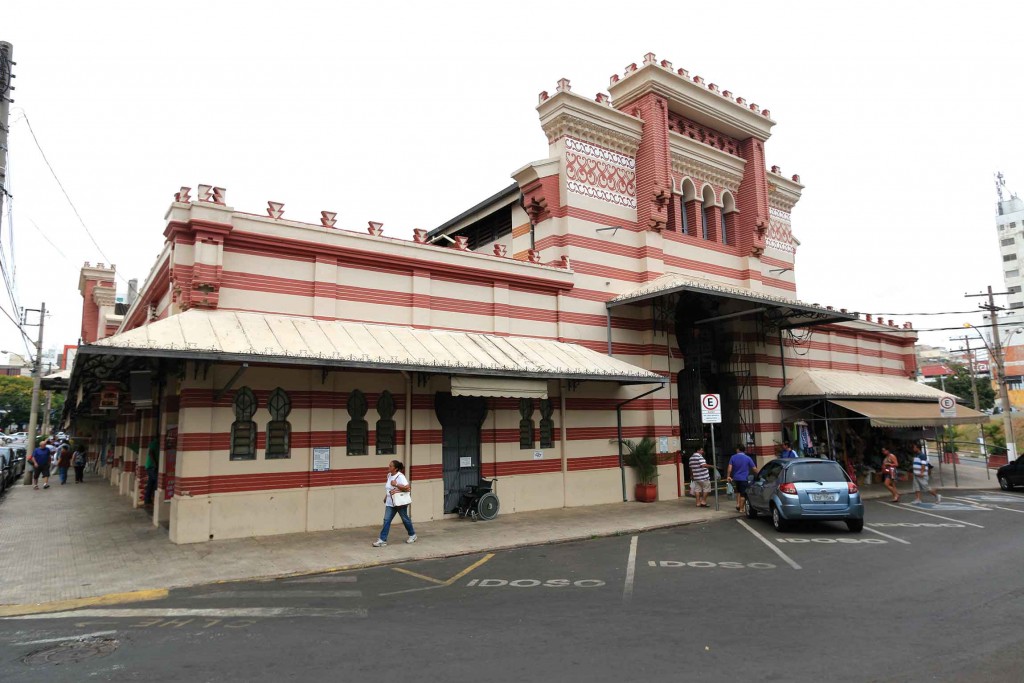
{"type": "Point", "coordinates": [789, 312]}
{"type": "Point", "coordinates": [832, 384]}
{"type": "Point", "coordinates": [909, 414]}
{"type": "Point", "coordinates": [231, 336]}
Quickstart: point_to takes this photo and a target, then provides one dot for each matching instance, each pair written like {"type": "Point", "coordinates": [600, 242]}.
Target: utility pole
{"type": "Point", "coordinates": [37, 376]}
{"type": "Point", "coordinates": [1000, 370]}
{"type": "Point", "coordinates": [6, 65]}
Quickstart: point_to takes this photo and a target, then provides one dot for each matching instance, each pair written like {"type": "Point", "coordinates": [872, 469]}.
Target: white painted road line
{"type": "Point", "coordinates": [627, 590]}
{"type": "Point", "coordinates": [987, 506]}
{"type": "Point", "coordinates": [257, 594]}
{"type": "Point", "coordinates": [898, 540]}
{"type": "Point", "coordinates": [771, 545]}
{"type": "Point", "coordinates": [225, 613]}
{"type": "Point", "coordinates": [79, 636]}
{"type": "Point", "coordinates": [330, 578]}
{"type": "Point", "coordinates": [910, 508]}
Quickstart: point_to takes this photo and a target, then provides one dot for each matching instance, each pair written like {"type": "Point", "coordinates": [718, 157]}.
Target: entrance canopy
{"type": "Point", "coordinates": [909, 414]}
{"type": "Point", "coordinates": [231, 336]}
{"type": "Point", "coordinates": [788, 313]}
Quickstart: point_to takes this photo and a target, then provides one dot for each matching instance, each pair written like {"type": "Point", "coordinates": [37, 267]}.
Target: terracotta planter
{"type": "Point", "coordinates": [646, 493]}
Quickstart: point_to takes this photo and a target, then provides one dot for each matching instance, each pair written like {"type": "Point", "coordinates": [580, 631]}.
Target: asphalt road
{"type": "Point", "coordinates": [929, 593]}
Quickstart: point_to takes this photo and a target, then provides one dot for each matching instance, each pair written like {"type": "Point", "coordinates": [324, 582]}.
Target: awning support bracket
{"type": "Point", "coordinates": [231, 382]}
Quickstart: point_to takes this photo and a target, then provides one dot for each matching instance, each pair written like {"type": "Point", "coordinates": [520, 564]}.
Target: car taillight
{"type": "Point", "coordinates": [851, 487]}
{"type": "Point", "coordinates": [788, 488]}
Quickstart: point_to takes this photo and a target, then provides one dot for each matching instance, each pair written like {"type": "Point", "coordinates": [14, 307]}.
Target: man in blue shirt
{"type": "Point", "coordinates": [741, 470]}
{"type": "Point", "coordinates": [787, 451]}
{"type": "Point", "coordinates": [41, 465]}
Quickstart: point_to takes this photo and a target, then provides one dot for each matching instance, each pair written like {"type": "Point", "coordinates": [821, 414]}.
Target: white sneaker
{"type": "Point", "coordinates": [379, 543]}
{"type": "Point", "coordinates": [938, 498]}
{"type": "Point", "coordinates": [412, 539]}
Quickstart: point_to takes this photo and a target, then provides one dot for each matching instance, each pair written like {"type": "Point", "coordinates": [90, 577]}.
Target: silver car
{"type": "Point", "coordinates": [792, 489]}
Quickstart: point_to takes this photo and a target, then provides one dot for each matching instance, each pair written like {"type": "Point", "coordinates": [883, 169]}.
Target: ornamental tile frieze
{"type": "Point", "coordinates": [599, 173]}
{"type": "Point", "coordinates": [780, 232]}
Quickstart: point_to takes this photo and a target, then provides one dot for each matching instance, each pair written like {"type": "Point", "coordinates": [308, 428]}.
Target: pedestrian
{"type": "Point", "coordinates": [700, 478]}
{"type": "Point", "coordinates": [152, 460]}
{"type": "Point", "coordinates": [787, 451]}
{"type": "Point", "coordinates": [740, 472]}
{"type": "Point", "coordinates": [63, 462]}
{"type": "Point", "coordinates": [78, 459]}
{"type": "Point", "coordinates": [890, 468]}
{"type": "Point", "coordinates": [40, 461]}
{"type": "Point", "coordinates": [396, 482]}
{"type": "Point", "coordinates": [921, 475]}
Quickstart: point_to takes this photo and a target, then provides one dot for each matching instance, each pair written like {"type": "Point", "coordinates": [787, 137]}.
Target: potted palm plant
{"type": "Point", "coordinates": [643, 457]}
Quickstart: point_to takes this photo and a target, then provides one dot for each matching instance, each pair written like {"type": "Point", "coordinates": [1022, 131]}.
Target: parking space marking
{"type": "Point", "coordinates": [269, 595]}
{"type": "Point", "coordinates": [771, 545]}
{"type": "Point", "coordinates": [989, 506]}
{"type": "Point", "coordinates": [78, 636]}
{"type": "Point", "coordinates": [627, 589]}
{"type": "Point", "coordinates": [910, 508]}
{"type": "Point", "coordinates": [180, 612]}
{"type": "Point", "coordinates": [439, 583]}
{"type": "Point", "coordinates": [898, 540]}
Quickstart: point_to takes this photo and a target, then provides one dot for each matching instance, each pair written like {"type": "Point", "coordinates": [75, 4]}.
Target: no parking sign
{"type": "Point", "coordinates": [710, 408]}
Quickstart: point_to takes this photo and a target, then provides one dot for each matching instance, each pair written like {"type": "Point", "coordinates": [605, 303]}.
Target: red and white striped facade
{"type": "Point", "coordinates": [601, 215]}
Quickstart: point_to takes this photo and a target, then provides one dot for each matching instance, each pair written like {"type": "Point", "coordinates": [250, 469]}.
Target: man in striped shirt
{"type": "Point", "coordinates": [700, 482]}
{"type": "Point", "coordinates": [921, 475]}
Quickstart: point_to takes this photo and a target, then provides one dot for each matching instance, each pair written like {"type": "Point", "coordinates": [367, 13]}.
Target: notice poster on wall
{"type": "Point", "coordinates": [322, 459]}
{"type": "Point", "coordinates": [465, 461]}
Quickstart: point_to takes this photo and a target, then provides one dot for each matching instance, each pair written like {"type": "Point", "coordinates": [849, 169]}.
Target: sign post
{"type": "Point", "coordinates": [947, 409]}
{"type": "Point", "coordinates": [711, 413]}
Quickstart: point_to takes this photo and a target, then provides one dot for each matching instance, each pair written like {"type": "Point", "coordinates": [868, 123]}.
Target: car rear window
{"type": "Point", "coordinates": [816, 471]}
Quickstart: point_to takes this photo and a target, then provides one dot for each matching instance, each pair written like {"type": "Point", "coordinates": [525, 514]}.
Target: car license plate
{"type": "Point", "coordinates": [824, 497]}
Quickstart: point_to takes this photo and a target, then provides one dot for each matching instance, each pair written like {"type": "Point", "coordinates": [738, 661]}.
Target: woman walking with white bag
{"type": "Point", "coordinates": [396, 500]}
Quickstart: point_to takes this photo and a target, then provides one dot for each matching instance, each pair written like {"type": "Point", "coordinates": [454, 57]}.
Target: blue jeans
{"type": "Point", "coordinates": [389, 514]}
{"type": "Point", "coordinates": [151, 478]}
{"type": "Point", "coordinates": [63, 471]}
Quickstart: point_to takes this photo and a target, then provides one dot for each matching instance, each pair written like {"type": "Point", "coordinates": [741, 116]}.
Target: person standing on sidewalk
{"type": "Point", "coordinates": [787, 451]}
{"type": "Point", "coordinates": [740, 472]}
{"type": "Point", "coordinates": [921, 475]}
{"type": "Point", "coordinates": [152, 460]}
{"type": "Point", "coordinates": [40, 461]}
{"type": "Point", "coordinates": [700, 480]}
{"type": "Point", "coordinates": [890, 468]}
{"type": "Point", "coordinates": [78, 460]}
{"type": "Point", "coordinates": [63, 462]}
{"type": "Point", "coordinates": [396, 482]}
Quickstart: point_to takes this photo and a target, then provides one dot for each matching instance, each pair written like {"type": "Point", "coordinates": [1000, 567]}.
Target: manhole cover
{"type": "Point", "coordinates": [72, 651]}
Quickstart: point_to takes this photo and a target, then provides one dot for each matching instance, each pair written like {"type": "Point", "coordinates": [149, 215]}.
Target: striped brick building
{"type": "Point", "coordinates": [646, 259]}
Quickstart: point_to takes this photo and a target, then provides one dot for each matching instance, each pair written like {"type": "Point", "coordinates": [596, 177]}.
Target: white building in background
{"type": "Point", "coordinates": [1010, 230]}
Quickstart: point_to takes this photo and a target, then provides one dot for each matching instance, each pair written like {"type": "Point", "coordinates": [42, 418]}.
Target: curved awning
{"type": "Point", "coordinates": [909, 413]}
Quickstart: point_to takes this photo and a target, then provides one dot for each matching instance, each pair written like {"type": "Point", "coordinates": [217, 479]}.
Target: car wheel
{"type": "Point", "coordinates": [1005, 484]}
{"type": "Point", "coordinates": [749, 509]}
{"type": "Point", "coordinates": [855, 525]}
{"type": "Point", "coordinates": [778, 521]}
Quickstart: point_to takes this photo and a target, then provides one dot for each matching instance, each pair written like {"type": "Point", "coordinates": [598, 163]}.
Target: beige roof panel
{"type": "Point", "coordinates": [830, 384]}
{"type": "Point", "coordinates": [910, 414]}
{"type": "Point", "coordinates": [293, 340]}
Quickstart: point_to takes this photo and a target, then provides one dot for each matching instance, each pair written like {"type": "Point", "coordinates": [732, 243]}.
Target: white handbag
{"type": "Point", "coordinates": [401, 498]}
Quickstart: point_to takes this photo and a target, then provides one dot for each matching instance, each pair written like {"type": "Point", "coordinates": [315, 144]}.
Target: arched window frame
{"type": "Point", "coordinates": [244, 432]}
{"type": "Point", "coordinates": [728, 224]}
{"type": "Point", "coordinates": [279, 430]}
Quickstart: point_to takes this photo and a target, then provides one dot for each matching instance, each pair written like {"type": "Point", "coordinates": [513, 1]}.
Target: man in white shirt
{"type": "Point", "coordinates": [921, 475]}
{"type": "Point", "coordinates": [700, 481]}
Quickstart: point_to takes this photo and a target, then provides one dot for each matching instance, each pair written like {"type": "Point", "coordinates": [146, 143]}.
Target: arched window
{"type": "Point", "coordinates": [243, 429]}
{"type": "Point", "coordinates": [706, 207]}
{"type": "Point", "coordinates": [526, 424]}
{"type": "Point", "coordinates": [279, 430]}
{"type": "Point", "coordinates": [547, 425]}
{"type": "Point", "coordinates": [689, 195]}
{"type": "Point", "coordinates": [386, 424]}
{"type": "Point", "coordinates": [728, 209]}
{"type": "Point", "coordinates": [356, 436]}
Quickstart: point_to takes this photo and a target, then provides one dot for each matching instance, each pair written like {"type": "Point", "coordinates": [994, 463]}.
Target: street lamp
{"type": "Point", "coordinates": [996, 355]}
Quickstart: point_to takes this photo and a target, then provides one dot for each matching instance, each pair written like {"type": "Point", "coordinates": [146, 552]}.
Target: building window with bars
{"type": "Point", "coordinates": [357, 430]}
{"type": "Point", "coordinates": [279, 430]}
{"type": "Point", "coordinates": [243, 429]}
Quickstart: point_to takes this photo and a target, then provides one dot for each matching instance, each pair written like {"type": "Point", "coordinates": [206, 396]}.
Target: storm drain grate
{"type": "Point", "coordinates": [71, 652]}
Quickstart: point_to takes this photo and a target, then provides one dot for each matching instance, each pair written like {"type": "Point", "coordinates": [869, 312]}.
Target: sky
{"type": "Point", "coordinates": [895, 115]}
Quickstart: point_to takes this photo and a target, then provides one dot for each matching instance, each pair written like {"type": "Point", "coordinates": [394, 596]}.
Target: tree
{"type": "Point", "coordinates": [15, 398]}
{"type": "Point", "coordinates": [959, 384]}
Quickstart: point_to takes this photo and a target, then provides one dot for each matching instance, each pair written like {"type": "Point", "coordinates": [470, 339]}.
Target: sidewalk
{"type": "Point", "coordinates": [82, 541]}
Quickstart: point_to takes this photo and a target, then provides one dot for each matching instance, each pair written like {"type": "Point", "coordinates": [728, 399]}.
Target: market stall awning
{"type": "Point", "coordinates": [231, 336]}
{"type": "Point", "coordinates": [790, 312]}
{"type": "Point", "coordinates": [909, 413]}
{"type": "Point", "coordinates": [830, 384]}
{"type": "Point", "coordinates": [499, 387]}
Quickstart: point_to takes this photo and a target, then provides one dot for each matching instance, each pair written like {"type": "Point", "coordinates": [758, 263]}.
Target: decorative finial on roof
{"type": "Point", "coordinates": [665, 64]}
{"type": "Point", "coordinates": [683, 72]}
{"type": "Point", "coordinates": [563, 85]}
{"type": "Point", "coordinates": [182, 195]}
{"type": "Point", "coordinates": [698, 80]}
{"type": "Point", "coordinates": [375, 228]}
{"type": "Point", "coordinates": [275, 209]}
{"type": "Point", "coordinates": [500, 250]}
{"type": "Point", "coordinates": [204, 193]}
{"type": "Point", "coordinates": [219, 195]}
{"type": "Point", "coordinates": [542, 97]}
{"type": "Point", "coordinates": [796, 177]}
{"type": "Point", "coordinates": [649, 58]}
{"type": "Point", "coordinates": [602, 98]}
{"type": "Point", "coordinates": [419, 236]}
{"type": "Point", "coordinates": [327, 218]}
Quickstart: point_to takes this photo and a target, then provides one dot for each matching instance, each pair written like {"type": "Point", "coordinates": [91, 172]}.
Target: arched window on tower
{"type": "Point", "coordinates": [728, 222]}
{"type": "Point", "coordinates": [689, 196]}
{"type": "Point", "coordinates": [706, 207]}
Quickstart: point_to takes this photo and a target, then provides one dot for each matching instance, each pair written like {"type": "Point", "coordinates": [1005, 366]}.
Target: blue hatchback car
{"type": "Point", "coordinates": [792, 489]}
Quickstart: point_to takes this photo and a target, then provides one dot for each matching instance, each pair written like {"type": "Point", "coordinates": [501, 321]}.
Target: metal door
{"type": "Point", "coordinates": [460, 418]}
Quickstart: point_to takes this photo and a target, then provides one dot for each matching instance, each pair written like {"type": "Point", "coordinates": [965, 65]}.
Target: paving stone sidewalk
{"type": "Point", "coordinates": [84, 540]}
